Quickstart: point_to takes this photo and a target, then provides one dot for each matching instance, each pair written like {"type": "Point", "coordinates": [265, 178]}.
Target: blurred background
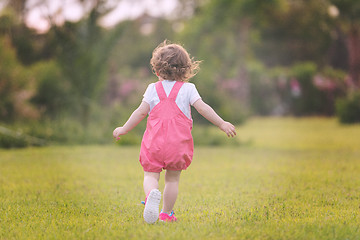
{"type": "Point", "coordinates": [73, 70]}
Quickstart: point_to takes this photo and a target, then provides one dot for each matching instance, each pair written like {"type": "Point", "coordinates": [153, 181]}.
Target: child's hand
{"type": "Point", "coordinates": [118, 132]}
{"type": "Point", "coordinates": [228, 128]}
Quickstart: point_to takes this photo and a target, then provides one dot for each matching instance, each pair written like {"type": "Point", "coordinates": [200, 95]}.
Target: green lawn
{"type": "Point", "coordinates": [290, 179]}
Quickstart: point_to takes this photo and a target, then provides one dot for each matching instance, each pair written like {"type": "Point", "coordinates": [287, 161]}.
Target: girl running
{"type": "Point", "coordinates": [167, 142]}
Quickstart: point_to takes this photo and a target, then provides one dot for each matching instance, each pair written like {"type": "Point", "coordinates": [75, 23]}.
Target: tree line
{"type": "Point", "coordinates": [259, 57]}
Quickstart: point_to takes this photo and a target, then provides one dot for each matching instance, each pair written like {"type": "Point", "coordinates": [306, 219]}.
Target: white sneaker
{"type": "Point", "coordinates": [151, 211]}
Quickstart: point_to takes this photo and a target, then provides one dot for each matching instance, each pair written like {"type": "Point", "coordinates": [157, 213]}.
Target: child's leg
{"type": "Point", "coordinates": [172, 179]}
{"type": "Point", "coordinates": [151, 181]}
{"type": "Point", "coordinates": [153, 196]}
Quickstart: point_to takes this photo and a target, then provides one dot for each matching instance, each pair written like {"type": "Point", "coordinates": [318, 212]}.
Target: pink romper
{"type": "Point", "coordinates": [167, 142]}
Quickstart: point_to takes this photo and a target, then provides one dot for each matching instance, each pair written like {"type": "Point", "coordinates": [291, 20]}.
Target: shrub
{"type": "Point", "coordinates": [52, 93]}
{"type": "Point", "coordinates": [348, 108]}
{"type": "Point", "coordinates": [12, 142]}
{"type": "Point", "coordinates": [261, 87]}
{"type": "Point", "coordinates": [212, 136]}
{"type": "Point", "coordinates": [14, 137]}
{"type": "Point", "coordinates": [14, 88]}
{"type": "Point", "coordinates": [309, 100]}
{"type": "Point", "coordinates": [130, 139]}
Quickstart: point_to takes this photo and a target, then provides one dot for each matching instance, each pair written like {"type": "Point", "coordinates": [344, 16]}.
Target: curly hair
{"type": "Point", "coordinates": [173, 62]}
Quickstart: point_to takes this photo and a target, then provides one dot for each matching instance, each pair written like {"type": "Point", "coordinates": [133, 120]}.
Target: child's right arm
{"type": "Point", "coordinates": [135, 118]}
{"type": "Point", "coordinates": [207, 112]}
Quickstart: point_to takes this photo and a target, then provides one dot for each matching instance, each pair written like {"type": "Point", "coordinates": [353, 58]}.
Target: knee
{"type": "Point", "coordinates": [172, 176]}
{"type": "Point", "coordinates": [152, 176]}
{"type": "Point", "coordinates": [172, 180]}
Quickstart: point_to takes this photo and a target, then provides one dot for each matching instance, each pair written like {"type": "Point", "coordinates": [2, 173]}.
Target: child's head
{"type": "Point", "coordinates": [172, 62]}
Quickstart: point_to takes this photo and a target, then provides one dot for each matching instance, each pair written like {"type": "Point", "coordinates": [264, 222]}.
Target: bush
{"type": "Point", "coordinates": [348, 108]}
{"type": "Point", "coordinates": [14, 137]}
{"type": "Point", "coordinates": [130, 139]}
{"type": "Point", "coordinates": [309, 100]}
{"type": "Point", "coordinates": [15, 80]}
{"type": "Point", "coordinates": [12, 142]}
{"type": "Point", "coordinates": [212, 136]}
{"type": "Point", "coordinates": [52, 91]}
{"type": "Point", "coordinates": [263, 95]}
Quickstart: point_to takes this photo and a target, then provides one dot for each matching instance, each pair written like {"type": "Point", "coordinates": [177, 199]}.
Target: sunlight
{"type": "Point", "coordinates": [41, 15]}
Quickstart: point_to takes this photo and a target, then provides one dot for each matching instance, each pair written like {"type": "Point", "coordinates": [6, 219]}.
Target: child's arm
{"type": "Point", "coordinates": [135, 118]}
{"type": "Point", "coordinates": [207, 112]}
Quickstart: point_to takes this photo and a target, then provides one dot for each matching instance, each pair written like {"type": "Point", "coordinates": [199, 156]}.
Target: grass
{"type": "Point", "coordinates": [291, 179]}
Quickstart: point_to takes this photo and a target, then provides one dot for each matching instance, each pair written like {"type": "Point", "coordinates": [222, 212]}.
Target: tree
{"type": "Point", "coordinates": [301, 32]}
{"type": "Point", "coordinates": [12, 26]}
{"type": "Point", "coordinates": [83, 51]}
{"type": "Point", "coordinates": [19, 7]}
{"type": "Point", "coordinates": [14, 81]}
{"type": "Point", "coordinates": [222, 33]}
{"type": "Point", "coordinates": [349, 22]}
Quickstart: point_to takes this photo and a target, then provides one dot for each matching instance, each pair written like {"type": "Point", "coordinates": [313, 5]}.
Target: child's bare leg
{"type": "Point", "coordinates": [151, 181]}
{"type": "Point", "coordinates": [171, 190]}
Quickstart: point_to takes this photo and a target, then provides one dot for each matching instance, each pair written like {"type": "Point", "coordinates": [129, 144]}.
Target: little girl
{"type": "Point", "coordinates": [167, 142]}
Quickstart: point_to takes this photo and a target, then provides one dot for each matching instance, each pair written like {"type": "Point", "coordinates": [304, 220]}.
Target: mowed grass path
{"type": "Point", "coordinates": [291, 179]}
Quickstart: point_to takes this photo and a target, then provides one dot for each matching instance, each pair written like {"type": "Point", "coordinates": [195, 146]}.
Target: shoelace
{"type": "Point", "coordinates": [172, 213]}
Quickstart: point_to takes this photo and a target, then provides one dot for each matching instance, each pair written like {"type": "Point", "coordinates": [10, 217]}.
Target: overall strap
{"type": "Point", "coordinates": [175, 90]}
{"type": "Point", "coordinates": [160, 91]}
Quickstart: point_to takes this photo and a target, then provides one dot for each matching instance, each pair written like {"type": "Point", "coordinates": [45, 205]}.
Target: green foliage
{"type": "Point", "coordinates": [300, 89]}
{"type": "Point", "coordinates": [65, 130]}
{"type": "Point", "coordinates": [83, 53]}
{"type": "Point", "coordinates": [244, 34]}
{"type": "Point", "coordinates": [337, 76]}
{"type": "Point", "coordinates": [133, 50]}
{"type": "Point", "coordinates": [298, 180]}
{"type": "Point", "coordinates": [349, 10]}
{"type": "Point", "coordinates": [261, 87]}
{"type": "Point", "coordinates": [348, 21]}
{"type": "Point", "coordinates": [131, 139]}
{"type": "Point", "coordinates": [310, 100]}
{"type": "Point", "coordinates": [317, 89]}
{"type": "Point", "coordinates": [27, 44]}
{"type": "Point", "coordinates": [250, 49]}
{"type": "Point", "coordinates": [348, 108]}
{"type": "Point", "coordinates": [52, 90]}
{"type": "Point", "coordinates": [283, 44]}
{"type": "Point", "coordinates": [14, 79]}
{"type": "Point", "coordinates": [212, 136]}
{"type": "Point", "coordinates": [7, 141]}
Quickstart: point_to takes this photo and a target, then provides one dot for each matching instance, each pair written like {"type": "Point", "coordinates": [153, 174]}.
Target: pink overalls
{"type": "Point", "coordinates": [167, 142]}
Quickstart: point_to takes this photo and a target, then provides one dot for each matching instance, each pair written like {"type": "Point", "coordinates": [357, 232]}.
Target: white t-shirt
{"type": "Point", "coordinates": [187, 96]}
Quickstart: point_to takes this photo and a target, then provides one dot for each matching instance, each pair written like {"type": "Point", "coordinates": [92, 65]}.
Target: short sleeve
{"type": "Point", "coordinates": [148, 93]}
{"type": "Point", "coordinates": [194, 94]}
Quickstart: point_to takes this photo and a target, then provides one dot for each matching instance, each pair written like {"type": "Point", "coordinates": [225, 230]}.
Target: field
{"type": "Point", "coordinates": [289, 179]}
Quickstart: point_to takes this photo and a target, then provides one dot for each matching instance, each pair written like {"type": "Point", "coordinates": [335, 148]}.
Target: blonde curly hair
{"type": "Point", "coordinates": [173, 62]}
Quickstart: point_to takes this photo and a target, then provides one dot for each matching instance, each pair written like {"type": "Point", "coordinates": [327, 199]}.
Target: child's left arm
{"type": "Point", "coordinates": [136, 117]}
{"type": "Point", "coordinates": [206, 111]}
